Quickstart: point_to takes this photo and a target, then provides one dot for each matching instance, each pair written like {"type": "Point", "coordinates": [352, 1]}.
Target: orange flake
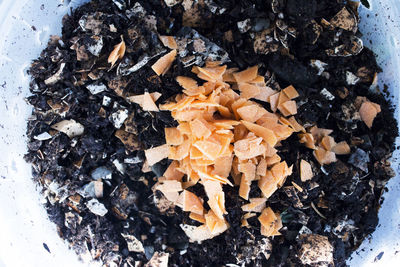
{"type": "Point", "coordinates": [246, 75]}
{"type": "Point", "coordinates": [323, 156]}
{"type": "Point", "coordinates": [341, 148]}
{"type": "Point", "coordinates": [210, 149]}
{"type": "Point", "coordinates": [215, 224]}
{"type": "Point", "coordinates": [172, 173]}
{"type": "Point", "coordinates": [244, 221]}
{"type": "Point", "coordinates": [290, 107]}
{"type": "Point", "coordinates": [173, 136]}
{"type": "Point", "coordinates": [255, 205]}
{"type": "Point", "coordinates": [297, 187]}
{"type": "Point", "coordinates": [228, 75]}
{"type": "Point", "coordinates": [156, 154]}
{"type": "Point", "coordinates": [319, 133]}
{"type": "Point", "coordinates": [180, 152]}
{"type": "Point", "coordinates": [248, 169]}
{"type": "Point", "coordinates": [225, 112]}
{"type": "Point", "coordinates": [192, 203]}
{"type": "Point", "coordinates": [273, 101]}
{"type": "Point", "coordinates": [262, 167]}
{"type": "Point", "coordinates": [187, 83]}
{"type": "Point", "coordinates": [272, 160]}
{"type": "Point", "coordinates": [216, 178]}
{"type": "Point", "coordinates": [267, 184]}
{"type": "Point", "coordinates": [269, 220]}
{"type": "Point", "coordinates": [200, 128]}
{"type": "Point", "coordinates": [240, 132]}
{"type": "Point", "coordinates": [265, 93]}
{"type": "Point", "coordinates": [368, 112]}
{"type": "Point", "coordinates": [164, 63]}
{"type": "Point", "coordinates": [290, 92]}
{"type": "Point", "coordinates": [247, 149]}
{"type": "Point", "coordinates": [295, 125]}
{"type": "Point", "coordinates": [244, 188]}
{"type": "Point", "coordinates": [258, 80]}
{"type": "Point", "coordinates": [263, 132]}
{"type": "Point", "coordinates": [328, 142]}
{"type": "Point", "coordinates": [187, 115]}
{"type": "Point", "coordinates": [117, 53]}
{"type": "Point", "coordinates": [197, 217]}
{"type": "Point", "coordinates": [223, 166]}
{"type": "Point", "coordinates": [248, 91]}
{"type": "Point", "coordinates": [306, 172]}
{"type": "Point", "coordinates": [195, 153]}
{"type": "Point", "coordinates": [251, 113]}
{"type": "Point", "coordinates": [184, 128]}
{"type": "Point", "coordinates": [307, 139]}
{"type": "Point", "coordinates": [169, 41]}
{"type": "Point", "coordinates": [211, 74]}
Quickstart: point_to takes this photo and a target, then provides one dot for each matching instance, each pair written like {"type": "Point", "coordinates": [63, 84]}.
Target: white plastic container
{"type": "Point", "coordinates": [25, 27]}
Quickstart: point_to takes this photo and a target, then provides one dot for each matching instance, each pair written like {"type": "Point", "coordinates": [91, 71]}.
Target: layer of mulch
{"type": "Point", "coordinates": [94, 184]}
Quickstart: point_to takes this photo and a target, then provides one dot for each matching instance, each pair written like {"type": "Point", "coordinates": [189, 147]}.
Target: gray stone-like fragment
{"type": "Point", "coordinates": [93, 189]}
{"type": "Point", "coordinates": [315, 249]}
{"type": "Point", "coordinates": [134, 245]}
{"type": "Point", "coordinates": [43, 136]}
{"type": "Point", "coordinates": [118, 117]}
{"type": "Point", "coordinates": [96, 88]}
{"type": "Point", "coordinates": [96, 207]}
{"type": "Point", "coordinates": [172, 2]}
{"type": "Point", "coordinates": [360, 159]}
{"type": "Point", "coordinates": [101, 173]}
{"type": "Point", "coordinates": [351, 79]}
{"type": "Point", "coordinates": [327, 95]}
{"type": "Point", "coordinates": [244, 25]}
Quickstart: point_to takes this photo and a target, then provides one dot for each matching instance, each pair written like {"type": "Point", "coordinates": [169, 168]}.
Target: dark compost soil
{"type": "Point", "coordinates": [282, 37]}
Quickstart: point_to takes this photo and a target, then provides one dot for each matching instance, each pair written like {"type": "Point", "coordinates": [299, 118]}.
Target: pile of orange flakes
{"type": "Point", "coordinates": [223, 133]}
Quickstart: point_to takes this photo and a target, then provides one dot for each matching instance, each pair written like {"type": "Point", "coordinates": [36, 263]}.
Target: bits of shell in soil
{"type": "Point", "coordinates": [255, 128]}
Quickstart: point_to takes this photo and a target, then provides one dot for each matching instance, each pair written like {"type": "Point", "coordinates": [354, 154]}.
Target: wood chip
{"type": "Point", "coordinates": [172, 172]}
{"type": "Point", "coordinates": [148, 103]}
{"type": "Point", "coordinates": [248, 91]}
{"type": "Point", "coordinates": [69, 127]}
{"type": "Point", "coordinates": [263, 132]}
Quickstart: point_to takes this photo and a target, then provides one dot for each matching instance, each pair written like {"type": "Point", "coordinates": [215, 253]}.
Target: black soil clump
{"type": "Point", "coordinates": [98, 192]}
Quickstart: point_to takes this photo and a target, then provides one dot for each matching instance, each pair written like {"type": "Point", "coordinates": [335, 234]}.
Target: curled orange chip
{"type": "Point", "coordinates": [244, 188]}
{"type": "Point", "coordinates": [187, 83]}
{"type": "Point", "coordinates": [273, 101]}
{"type": "Point", "coordinates": [164, 63]}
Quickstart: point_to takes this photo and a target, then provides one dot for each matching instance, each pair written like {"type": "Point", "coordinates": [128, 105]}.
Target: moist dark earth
{"type": "Point", "coordinates": [95, 169]}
